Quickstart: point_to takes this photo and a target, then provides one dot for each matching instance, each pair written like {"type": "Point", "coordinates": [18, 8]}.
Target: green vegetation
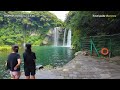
{"type": "Point", "coordinates": [17, 27]}
{"type": "Point", "coordinates": [85, 24]}
{"type": "Point", "coordinates": [5, 48]}
{"type": "Point", "coordinates": [35, 27]}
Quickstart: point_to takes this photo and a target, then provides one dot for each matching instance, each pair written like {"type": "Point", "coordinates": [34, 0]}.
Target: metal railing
{"type": "Point", "coordinates": [94, 44]}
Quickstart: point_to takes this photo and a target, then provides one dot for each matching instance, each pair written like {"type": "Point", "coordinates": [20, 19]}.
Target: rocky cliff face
{"type": "Point", "coordinates": [49, 38]}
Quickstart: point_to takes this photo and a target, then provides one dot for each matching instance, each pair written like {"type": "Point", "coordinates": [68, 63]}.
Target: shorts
{"type": "Point", "coordinates": [29, 71]}
{"type": "Point", "coordinates": [15, 74]}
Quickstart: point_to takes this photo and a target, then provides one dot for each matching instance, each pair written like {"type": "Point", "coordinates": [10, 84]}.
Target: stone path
{"type": "Point", "coordinates": [82, 67]}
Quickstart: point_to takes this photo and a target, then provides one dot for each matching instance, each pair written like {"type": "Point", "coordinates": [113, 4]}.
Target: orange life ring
{"type": "Point", "coordinates": [104, 51]}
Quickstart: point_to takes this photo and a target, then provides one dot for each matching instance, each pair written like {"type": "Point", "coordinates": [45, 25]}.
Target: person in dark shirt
{"type": "Point", "coordinates": [29, 62]}
{"type": "Point", "coordinates": [13, 63]}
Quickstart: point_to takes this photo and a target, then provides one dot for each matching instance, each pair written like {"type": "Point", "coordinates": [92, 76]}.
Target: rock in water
{"type": "Point", "coordinates": [39, 67]}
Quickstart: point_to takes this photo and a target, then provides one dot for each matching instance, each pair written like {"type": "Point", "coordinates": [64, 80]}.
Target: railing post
{"type": "Point", "coordinates": [95, 48]}
{"type": "Point", "coordinates": [110, 48]}
{"type": "Point", "coordinates": [91, 48]}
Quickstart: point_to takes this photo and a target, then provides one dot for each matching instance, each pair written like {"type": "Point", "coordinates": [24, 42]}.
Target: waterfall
{"type": "Point", "coordinates": [64, 39]}
{"type": "Point", "coordinates": [57, 42]}
{"type": "Point", "coordinates": [69, 39]}
{"type": "Point", "coordinates": [56, 36]}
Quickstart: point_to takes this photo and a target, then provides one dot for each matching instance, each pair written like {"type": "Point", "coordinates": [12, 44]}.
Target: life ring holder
{"type": "Point", "coordinates": [104, 51]}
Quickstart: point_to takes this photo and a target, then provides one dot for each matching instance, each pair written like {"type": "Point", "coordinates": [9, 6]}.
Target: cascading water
{"type": "Point", "coordinates": [65, 43]}
{"type": "Point", "coordinates": [64, 39]}
{"type": "Point", "coordinates": [69, 39]}
{"type": "Point", "coordinates": [56, 36]}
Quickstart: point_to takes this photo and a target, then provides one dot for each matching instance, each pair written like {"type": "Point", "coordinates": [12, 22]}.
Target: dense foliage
{"type": "Point", "coordinates": [17, 27]}
{"type": "Point", "coordinates": [92, 23]}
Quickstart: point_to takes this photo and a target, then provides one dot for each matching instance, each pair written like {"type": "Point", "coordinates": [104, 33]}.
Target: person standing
{"type": "Point", "coordinates": [13, 63]}
{"type": "Point", "coordinates": [29, 62]}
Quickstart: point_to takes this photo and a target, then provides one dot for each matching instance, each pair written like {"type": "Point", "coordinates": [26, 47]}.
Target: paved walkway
{"type": "Point", "coordinates": [82, 67]}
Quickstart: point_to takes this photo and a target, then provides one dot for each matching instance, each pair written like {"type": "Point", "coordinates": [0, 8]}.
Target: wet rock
{"type": "Point", "coordinates": [85, 53]}
{"type": "Point", "coordinates": [39, 67]}
{"type": "Point", "coordinates": [65, 69]}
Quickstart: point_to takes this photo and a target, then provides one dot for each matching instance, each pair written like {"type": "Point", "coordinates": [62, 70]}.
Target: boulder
{"type": "Point", "coordinates": [82, 53]}
{"type": "Point", "coordinates": [39, 67]}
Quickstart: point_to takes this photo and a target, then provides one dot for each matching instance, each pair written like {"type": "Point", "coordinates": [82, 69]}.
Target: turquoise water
{"type": "Point", "coordinates": [46, 55]}
{"type": "Point", "coordinates": [55, 56]}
